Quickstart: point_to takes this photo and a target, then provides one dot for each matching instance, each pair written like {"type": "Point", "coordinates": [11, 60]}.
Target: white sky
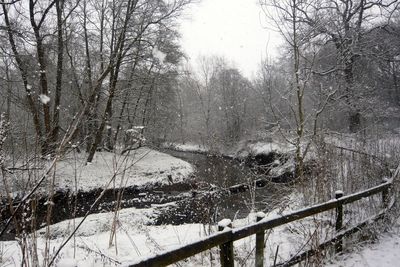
{"type": "Point", "coordinates": [235, 29]}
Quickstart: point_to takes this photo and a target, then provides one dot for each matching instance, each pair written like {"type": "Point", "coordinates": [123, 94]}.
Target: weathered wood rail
{"type": "Point", "coordinates": [225, 238]}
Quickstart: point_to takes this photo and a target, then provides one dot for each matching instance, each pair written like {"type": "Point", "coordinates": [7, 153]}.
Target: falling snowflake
{"type": "Point", "coordinates": [159, 55]}
{"type": "Point", "coordinates": [44, 99]}
{"type": "Point", "coordinates": [49, 202]}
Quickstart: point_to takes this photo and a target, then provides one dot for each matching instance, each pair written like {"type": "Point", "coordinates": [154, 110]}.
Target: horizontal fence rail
{"type": "Point", "coordinates": [228, 235]}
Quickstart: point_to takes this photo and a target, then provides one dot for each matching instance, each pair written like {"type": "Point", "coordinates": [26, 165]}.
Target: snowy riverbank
{"type": "Point", "coordinates": [135, 240]}
{"type": "Point", "coordinates": [143, 166]}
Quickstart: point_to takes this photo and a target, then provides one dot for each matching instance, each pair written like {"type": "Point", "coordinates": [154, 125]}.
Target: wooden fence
{"type": "Point", "coordinates": [225, 238]}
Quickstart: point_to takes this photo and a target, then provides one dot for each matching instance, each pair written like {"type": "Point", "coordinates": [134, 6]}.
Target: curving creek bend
{"type": "Point", "coordinates": [211, 195]}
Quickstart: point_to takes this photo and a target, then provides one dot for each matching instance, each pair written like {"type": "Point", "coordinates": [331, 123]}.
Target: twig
{"type": "Point", "coordinates": [101, 254]}
{"type": "Point", "coordinates": [358, 152]}
{"type": "Point", "coordinates": [129, 237]}
{"type": "Point", "coordinates": [276, 255]}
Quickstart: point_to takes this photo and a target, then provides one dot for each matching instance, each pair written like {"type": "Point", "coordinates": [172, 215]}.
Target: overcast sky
{"type": "Point", "coordinates": [235, 29]}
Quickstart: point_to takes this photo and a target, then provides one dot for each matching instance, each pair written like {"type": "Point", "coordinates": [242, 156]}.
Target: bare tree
{"type": "Point", "coordinates": [151, 15]}
{"type": "Point", "coordinates": [288, 16]}
{"type": "Point", "coordinates": [345, 24]}
{"type": "Point", "coordinates": [198, 85]}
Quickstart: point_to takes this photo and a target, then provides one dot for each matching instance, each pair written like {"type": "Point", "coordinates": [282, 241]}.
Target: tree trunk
{"type": "Point", "coordinates": [117, 54]}
{"type": "Point", "coordinates": [145, 108]}
{"type": "Point", "coordinates": [99, 133]}
{"type": "Point", "coordinates": [355, 121]}
{"type": "Point", "coordinates": [7, 70]}
{"type": "Point", "coordinates": [59, 75]}
{"type": "Point", "coordinates": [354, 115]}
{"type": "Point", "coordinates": [121, 113]}
{"type": "Point", "coordinates": [24, 75]}
{"type": "Point", "coordinates": [42, 74]}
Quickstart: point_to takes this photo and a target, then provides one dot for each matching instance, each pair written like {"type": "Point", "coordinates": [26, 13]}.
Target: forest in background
{"type": "Point", "coordinates": [112, 75]}
{"type": "Point", "coordinates": [101, 74]}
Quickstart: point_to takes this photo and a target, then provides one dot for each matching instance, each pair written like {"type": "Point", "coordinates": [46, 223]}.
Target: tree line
{"type": "Point", "coordinates": [337, 71]}
{"type": "Point", "coordinates": [105, 74]}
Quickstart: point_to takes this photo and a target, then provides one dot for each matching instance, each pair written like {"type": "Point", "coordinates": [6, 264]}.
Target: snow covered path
{"type": "Point", "coordinates": [384, 253]}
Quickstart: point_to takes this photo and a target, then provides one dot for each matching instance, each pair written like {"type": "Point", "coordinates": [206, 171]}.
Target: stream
{"type": "Point", "coordinates": [219, 173]}
{"type": "Point", "coordinates": [204, 198]}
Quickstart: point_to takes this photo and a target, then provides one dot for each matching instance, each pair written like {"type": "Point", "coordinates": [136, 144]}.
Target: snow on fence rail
{"type": "Point", "coordinates": [225, 238]}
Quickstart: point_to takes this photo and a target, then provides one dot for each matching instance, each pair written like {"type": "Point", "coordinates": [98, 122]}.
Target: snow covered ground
{"type": "Point", "coordinates": [188, 147]}
{"type": "Point", "coordinates": [90, 244]}
{"type": "Point", "coordinates": [266, 148]}
{"type": "Point", "coordinates": [139, 167]}
{"type": "Point", "coordinates": [136, 240]}
{"type": "Point", "coordinates": [383, 253]}
{"type": "Point", "coordinates": [242, 150]}
{"type": "Point", "coordinates": [143, 166]}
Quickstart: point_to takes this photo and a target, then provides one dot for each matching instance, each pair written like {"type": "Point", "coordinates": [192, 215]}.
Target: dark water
{"type": "Point", "coordinates": [218, 170]}
{"type": "Point", "coordinates": [211, 206]}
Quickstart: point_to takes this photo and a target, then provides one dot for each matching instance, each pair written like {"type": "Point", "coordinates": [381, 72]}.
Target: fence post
{"type": "Point", "coordinates": [339, 221]}
{"type": "Point", "coordinates": [385, 195]}
{"type": "Point", "coordinates": [260, 242]}
{"type": "Point", "coordinates": [226, 250]}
